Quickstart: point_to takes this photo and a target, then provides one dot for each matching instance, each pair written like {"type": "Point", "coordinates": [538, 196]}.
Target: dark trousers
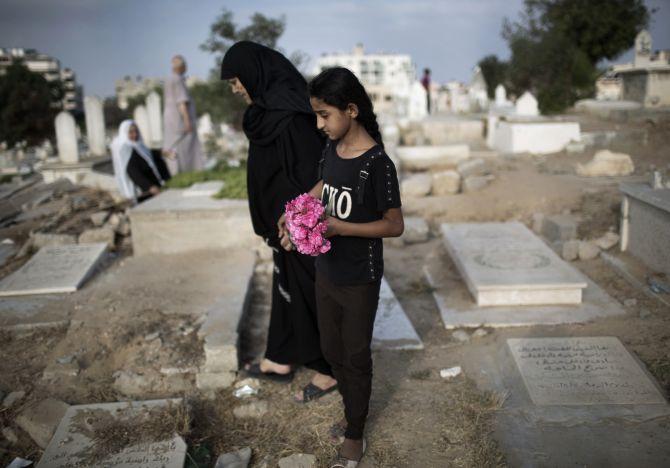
{"type": "Point", "coordinates": [346, 316]}
{"type": "Point", "coordinates": [293, 335]}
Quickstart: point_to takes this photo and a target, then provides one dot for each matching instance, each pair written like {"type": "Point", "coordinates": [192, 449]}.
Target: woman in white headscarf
{"type": "Point", "coordinates": [140, 173]}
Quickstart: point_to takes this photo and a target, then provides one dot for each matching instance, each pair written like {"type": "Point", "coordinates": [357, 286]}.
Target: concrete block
{"type": "Point", "coordinates": [40, 421]}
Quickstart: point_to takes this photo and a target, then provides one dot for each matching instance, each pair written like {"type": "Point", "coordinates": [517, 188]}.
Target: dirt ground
{"type": "Point", "coordinates": [417, 418]}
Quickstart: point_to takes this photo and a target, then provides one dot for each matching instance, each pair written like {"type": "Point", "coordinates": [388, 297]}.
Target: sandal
{"type": "Point", "coordinates": [343, 462]}
{"type": "Point", "coordinates": [254, 370]}
{"type": "Point", "coordinates": [311, 392]}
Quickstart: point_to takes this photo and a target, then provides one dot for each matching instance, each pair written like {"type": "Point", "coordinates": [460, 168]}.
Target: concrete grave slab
{"type": "Point", "coordinates": [419, 158]}
{"type": "Point", "coordinates": [204, 189]}
{"type": "Point", "coordinates": [582, 371]}
{"type": "Point", "coordinates": [506, 264]}
{"type": "Point", "coordinates": [457, 308]}
{"type": "Point", "coordinates": [392, 329]}
{"type": "Point", "coordinates": [533, 435]}
{"type": "Point", "coordinates": [54, 269]}
{"type": "Point", "coordinates": [645, 225]}
{"type": "Point", "coordinates": [173, 222]}
{"type": "Point", "coordinates": [539, 136]}
{"type": "Point", "coordinates": [220, 328]}
{"type": "Point", "coordinates": [69, 442]}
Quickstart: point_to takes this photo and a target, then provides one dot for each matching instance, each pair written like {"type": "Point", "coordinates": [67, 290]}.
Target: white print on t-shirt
{"type": "Point", "coordinates": [337, 205]}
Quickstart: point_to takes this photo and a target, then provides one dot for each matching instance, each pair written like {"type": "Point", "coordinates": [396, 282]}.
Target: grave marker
{"type": "Point", "coordinates": [66, 138]}
{"type": "Point", "coordinates": [95, 125]}
{"type": "Point", "coordinates": [506, 264]}
{"type": "Point", "coordinates": [582, 371]}
{"type": "Point", "coordinates": [69, 443]}
{"type": "Point", "coordinates": [54, 269]}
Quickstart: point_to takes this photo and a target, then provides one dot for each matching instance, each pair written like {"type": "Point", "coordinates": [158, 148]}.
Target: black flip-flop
{"type": "Point", "coordinates": [311, 392]}
{"type": "Point", "coordinates": [254, 370]}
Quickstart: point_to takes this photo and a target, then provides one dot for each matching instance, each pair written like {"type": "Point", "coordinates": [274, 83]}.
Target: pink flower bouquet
{"type": "Point", "coordinates": [306, 225]}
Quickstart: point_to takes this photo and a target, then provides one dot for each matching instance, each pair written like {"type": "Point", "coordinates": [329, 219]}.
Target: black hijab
{"type": "Point", "coordinates": [277, 89]}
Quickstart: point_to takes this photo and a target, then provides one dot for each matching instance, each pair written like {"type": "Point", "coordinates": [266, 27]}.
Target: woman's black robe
{"type": "Point", "coordinates": [284, 151]}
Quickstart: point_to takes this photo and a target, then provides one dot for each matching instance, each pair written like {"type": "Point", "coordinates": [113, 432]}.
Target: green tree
{"type": "Point", "coordinates": [557, 44]}
{"type": "Point", "coordinates": [214, 96]}
{"type": "Point", "coordinates": [224, 32]}
{"type": "Point", "coordinates": [29, 105]}
{"type": "Point", "coordinates": [495, 73]}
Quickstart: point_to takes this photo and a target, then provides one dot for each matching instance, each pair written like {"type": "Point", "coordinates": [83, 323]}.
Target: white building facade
{"type": "Point", "coordinates": [390, 80]}
{"type": "Point", "coordinates": [50, 69]}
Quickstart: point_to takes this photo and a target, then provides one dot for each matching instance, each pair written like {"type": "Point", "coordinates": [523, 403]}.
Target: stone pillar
{"type": "Point", "coordinates": [95, 125]}
{"type": "Point", "coordinates": [153, 104]}
{"type": "Point", "coordinates": [141, 117]}
{"type": "Point", "coordinates": [66, 135]}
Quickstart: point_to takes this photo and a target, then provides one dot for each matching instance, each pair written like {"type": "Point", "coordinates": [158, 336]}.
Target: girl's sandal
{"type": "Point", "coordinates": [311, 392]}
{"type": "Point", "coordinates": [342, 462]}
{"type": "Point", "coordinates": [254, 370]}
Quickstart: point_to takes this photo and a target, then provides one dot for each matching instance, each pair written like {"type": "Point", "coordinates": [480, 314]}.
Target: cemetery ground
{"type": "Point", "coordinates": [131, 333]}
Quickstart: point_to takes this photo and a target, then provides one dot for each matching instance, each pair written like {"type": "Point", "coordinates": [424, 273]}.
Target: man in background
{"type": "Point", "coordinates": [179, 123]}
{"type": "Point", "coordinates": [425, 81]}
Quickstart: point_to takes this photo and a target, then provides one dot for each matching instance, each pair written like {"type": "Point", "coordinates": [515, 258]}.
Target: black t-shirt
{"type": "Point", "coordinates": [356, 260]}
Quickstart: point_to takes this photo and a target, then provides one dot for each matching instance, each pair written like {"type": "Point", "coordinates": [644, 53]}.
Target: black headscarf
{"type": "Point", "coordinates": [277, 89]}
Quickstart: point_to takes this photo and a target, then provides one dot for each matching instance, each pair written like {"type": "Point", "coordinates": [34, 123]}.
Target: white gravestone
{"type": "Point", "coordinates": [141, 118]}
{"type": "Point", "coordinates": [582, 371]}
{"type": "Point", "coordinates": [66, 137]}
{"type": "Point", "coordinates": [392, 329]}
{"type": "Point", "coordinates": [95, 125]}
{"type": "Point", "coordinates": [526, 105]}
{"type": "Point", "coordinates": [501, 96]}
{"type": "Point", "coordinates": [71, 442]}
{"type": "Point", "coordinates": [506, 264]}
{"type": "Point", "coordinates": [54, 269]}
{"type": "Point", "coordinates": [205, 127]}
{"type": "Point", "coordinates": [155, 117]}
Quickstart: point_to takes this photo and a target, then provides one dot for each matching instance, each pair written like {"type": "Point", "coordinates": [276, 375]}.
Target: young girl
{"type": "Point", "coordinates": [359, 188]}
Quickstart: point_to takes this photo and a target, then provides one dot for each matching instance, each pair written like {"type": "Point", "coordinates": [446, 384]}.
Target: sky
{"type": "Point", "coordinates": [104, 40]}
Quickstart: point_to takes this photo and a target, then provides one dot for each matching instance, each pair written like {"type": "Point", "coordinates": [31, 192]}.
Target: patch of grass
{"type": "Point", "coordinates": [234, 179]}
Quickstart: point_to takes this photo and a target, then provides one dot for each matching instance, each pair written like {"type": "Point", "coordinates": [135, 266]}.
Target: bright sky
{"type": "Point", "coordinates": [103, 40]}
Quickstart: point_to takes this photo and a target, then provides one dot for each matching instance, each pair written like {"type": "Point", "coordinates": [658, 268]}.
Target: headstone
{"type": "Point", "coordinates": [95, 125]}
{"type": "Point", "coordinates": [501, 95]}
{"type": "Point", "coordinates": [506, 264]}
{"type": "Point", "coordinates": [54, 269]}
{"type": "Point", "coordinates": [66, 137]}
{"type": "Point", "coordinates": [392, 329]}
{"type": "Point", "coordinates": [141, 118]}
{"type": "Point", "coordinates": [205, 127]}
{"type": "Point", "coordinates": [582, 371]}
{"type": "Point", "coordinates": [153, 103]}
{"type": "Point", "coordinates": [73, 439]}
{"type": "Point", "coordinates": [526, 105]}
{"type": "Point", "coordinates": [417, 108]}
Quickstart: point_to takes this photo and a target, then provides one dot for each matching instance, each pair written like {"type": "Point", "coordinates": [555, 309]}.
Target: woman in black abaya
{"type": "Point", "coordinates": [284, 150]}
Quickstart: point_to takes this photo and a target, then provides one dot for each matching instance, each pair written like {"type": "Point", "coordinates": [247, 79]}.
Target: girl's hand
{"type": "Point", "coordinates": [285, 242]}
{"type": "Point", "coordinates": [281, 225]}
{"type": "Point", "coordinates": [333, 226]}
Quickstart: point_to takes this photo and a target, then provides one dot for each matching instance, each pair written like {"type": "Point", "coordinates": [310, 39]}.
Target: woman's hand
{"type": "Point", "coordinates": [281, 225]}
{"type": "Point", "coordinates": [285, 242]}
